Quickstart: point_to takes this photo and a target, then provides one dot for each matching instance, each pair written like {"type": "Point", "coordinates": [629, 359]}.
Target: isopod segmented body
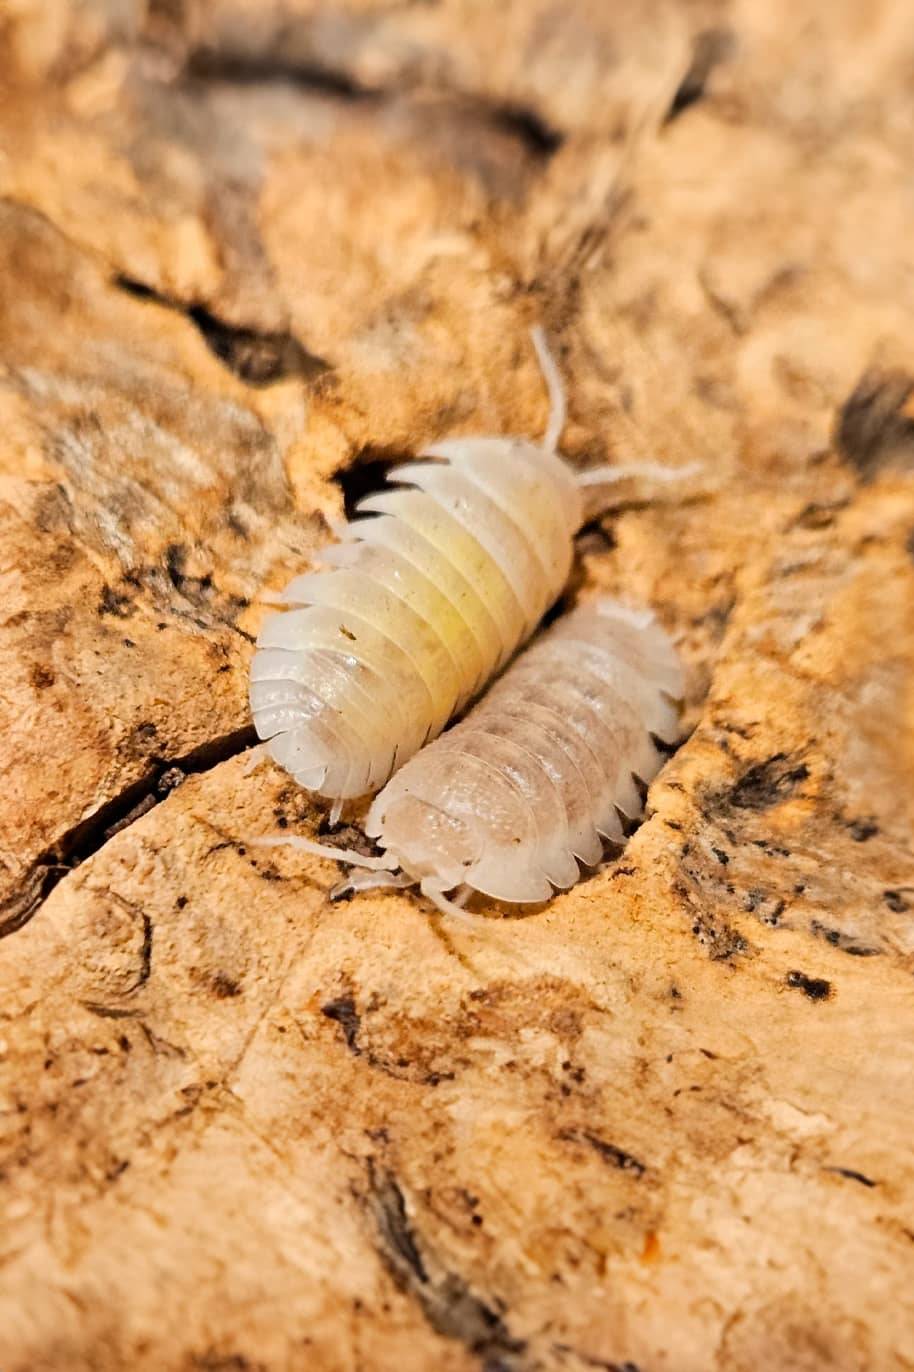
{"type": "Point", "coordinates": [423, 602]}
{"type": "Point", "coordinates": [417, 607]}
{"type": "Point", "coordinates": [510, 800]}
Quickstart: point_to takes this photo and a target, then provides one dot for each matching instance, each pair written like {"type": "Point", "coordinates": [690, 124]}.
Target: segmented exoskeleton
{"type": "Point", "coordinates": [421, 603]}
{"type": "Point", "coordinates": [513, 798]}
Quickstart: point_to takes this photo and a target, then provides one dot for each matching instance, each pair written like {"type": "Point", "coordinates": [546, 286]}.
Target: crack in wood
{"type": "Point", "coordinates": [521, 122]}
{"type": "Point", "coordinates": [259, 357]}
{"type": "Point", "coordinates": [86, 838]}
{"type": "Point", "coordinates": [447, 1302]}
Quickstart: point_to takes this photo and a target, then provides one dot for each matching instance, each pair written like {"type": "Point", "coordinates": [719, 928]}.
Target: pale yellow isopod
{"type": "Point", "coordinates": [420, 603]}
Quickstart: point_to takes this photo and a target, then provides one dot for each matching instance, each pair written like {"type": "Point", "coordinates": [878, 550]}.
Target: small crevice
{"type": "Point", "coordinates": [851, 1175]}
{"type": "Point", "coordinates": [39, 882]}
{"type": "Point", "coordinates": [259, 357]}
{"type": "Point", "coordinates": [710, 48]}
{"type": "Point", "coordinates": [616, 1157]}
{"type": "Point", "coordinates": [110, 1011]}
{"type": "Point", "coordinates": [393, 1226]}
{"type": "Point", "coordinates": [87, 837]}
{"type": "Point", "coordinates": [343, 1012]}
{"type": "Point", "coordinates": [145, 971]}
{"type": "Point", "coordinates": [845, 942]}
{"type": "Point", "coordinates": [874, 428]}
{"type": "Point", "coordinates": [527, 126]}
{"type": "Point", "coordinates": [587, 1360]}
{"type": "Point", "coordinates": [365, 475]}
{"type": "Point", "coordinates": [258, 69]}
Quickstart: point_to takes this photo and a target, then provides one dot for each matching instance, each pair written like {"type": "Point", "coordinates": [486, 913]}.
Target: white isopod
{"type": "Point", "coordinates": [422, 604]}
{"type": "Point", "coordinates": [512, 799]}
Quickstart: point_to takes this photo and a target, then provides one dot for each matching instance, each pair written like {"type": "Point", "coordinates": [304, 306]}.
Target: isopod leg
{"type": "Point", "coordinates": [370, 881]}
{"type": "Point", "coordinates": [266, 596]}
{"type": "Point", "coordinates": [308, 845]}
{"type": "Point", "coordinates": [259, 753]}
{"type": "Point", "coordinates": [598, 483]}
{"type": "Point", "coordinates": [452, 908]}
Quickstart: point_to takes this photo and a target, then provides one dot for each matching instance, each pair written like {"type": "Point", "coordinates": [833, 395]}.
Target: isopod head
{"type": "Point", "coordinates": [426, 841]}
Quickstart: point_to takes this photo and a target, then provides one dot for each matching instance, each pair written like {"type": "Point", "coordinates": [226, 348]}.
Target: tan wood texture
{"type": "Point", "coordinates": [248, 251]}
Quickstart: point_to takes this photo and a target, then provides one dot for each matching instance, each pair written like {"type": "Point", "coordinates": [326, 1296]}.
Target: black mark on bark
{"type": "Point", "coordinates": [256, 69]}
{"type": "Point", "coordinates": [145, 971]}
{"type": "Point", "coordinates": [447, 1303]}
{"type": "Point", "coordinates": [768, 783]}
{"type": "Point", "coordinates": [722, 941]}
{"type": "Point", "coordinates": [109, 1011]}
{"type": "Point", "coordinates": [344, 1013]}
{"type": "Point", "coordinates": [766, 908]}
{"type": "Point", "coordinates": [617, 1157]}
{"type": "Point", "coordinates": [225, 987]}
{"type": "Point", "coordinates": [816, 988]}
{"type": "Point", "coordinates": [529, 128]}
{"type": "Point", "coordinates": [851, 1175]}
{"type": "Point", "coordinates": [861, 830]}
{"type": "Point", "coordinates": [875, 425]}
{"type": "Point", "coordinates": [709, 49]}
{"type": "Point", "coordinates": [111, 602]}
{"type": "Point", "coordinates": [847, 943]}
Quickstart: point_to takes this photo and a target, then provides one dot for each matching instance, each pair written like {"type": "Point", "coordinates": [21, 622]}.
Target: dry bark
{"type": "Point", "coordinates": [247, 251]}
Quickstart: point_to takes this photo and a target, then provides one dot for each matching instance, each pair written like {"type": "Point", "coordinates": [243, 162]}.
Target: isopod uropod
{"type": "Point", "coordinates": [420, 604]}
{"type": "Point", "coordinates": [510, 800]}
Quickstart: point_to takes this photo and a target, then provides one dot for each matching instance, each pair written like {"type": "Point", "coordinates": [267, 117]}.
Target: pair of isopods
{"type": "Point", "coordinates": [416, 609]}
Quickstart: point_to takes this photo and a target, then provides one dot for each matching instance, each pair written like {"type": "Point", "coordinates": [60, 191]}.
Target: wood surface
{"type": "Point", "coordinates": [249, 252]}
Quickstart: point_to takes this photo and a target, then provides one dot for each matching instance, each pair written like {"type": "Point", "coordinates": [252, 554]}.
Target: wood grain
{"type": "Point", "coordinates": [248, 253]}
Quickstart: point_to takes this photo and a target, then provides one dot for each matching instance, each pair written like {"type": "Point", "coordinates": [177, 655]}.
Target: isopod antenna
{"type": "Point", "coordinates": [598, 486]}
{"type": "Point", "coordinates": [558, 406]}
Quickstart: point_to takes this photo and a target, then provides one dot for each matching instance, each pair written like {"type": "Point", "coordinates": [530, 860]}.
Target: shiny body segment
{"type": "Point", "coordinates": [425, 598]}
{"type": "Point", "coordinates": [512, 800]}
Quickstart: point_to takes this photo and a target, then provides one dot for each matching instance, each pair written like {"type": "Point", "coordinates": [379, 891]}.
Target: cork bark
{"type": "Point", "coordinates": [250, 252]}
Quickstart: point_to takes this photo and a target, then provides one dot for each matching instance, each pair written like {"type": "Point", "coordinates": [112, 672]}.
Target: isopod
{"type": "Point", "coordinates": [420, 603]}
{"type": "Point", "coordinates": [516, 796]}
